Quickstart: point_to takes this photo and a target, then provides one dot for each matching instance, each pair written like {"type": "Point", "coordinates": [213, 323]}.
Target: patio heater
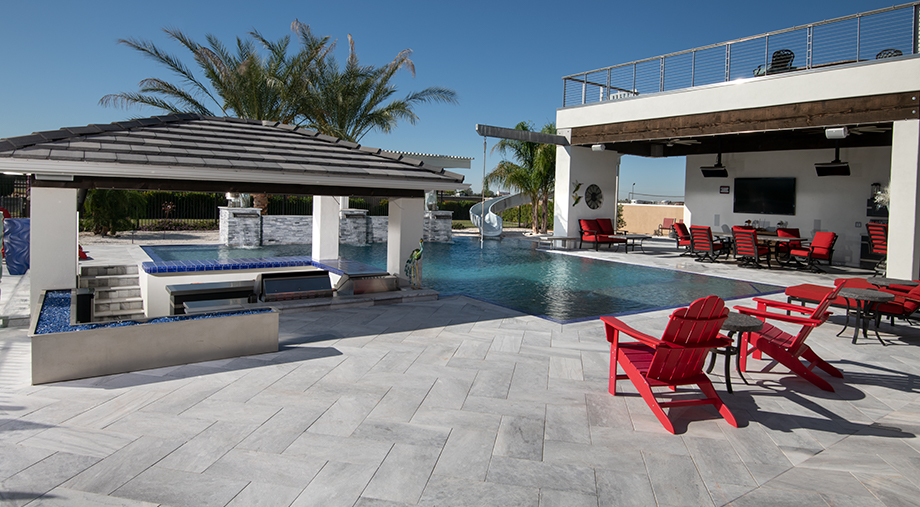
{"type": "Point", "coordinates": [835, 167]}
{"type": "Point", "coordinates": [718, 170]}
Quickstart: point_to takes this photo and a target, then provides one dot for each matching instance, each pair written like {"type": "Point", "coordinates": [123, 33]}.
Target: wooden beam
{"type": "Point", "coordinates": [223, 186]}
{"type": "Point", "coordinates": [824, 113]}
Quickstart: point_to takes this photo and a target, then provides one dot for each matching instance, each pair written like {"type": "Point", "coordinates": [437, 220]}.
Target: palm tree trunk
{"type": "Point", "coordinates": [545, 226]}
{"type": "Point", "coordinates": [535, 211]}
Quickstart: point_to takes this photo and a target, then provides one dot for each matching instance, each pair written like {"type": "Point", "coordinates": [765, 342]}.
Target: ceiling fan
{"type": "Point", "coordinates": [868, 129]}
{"type": "Point", "coordinates": [685, 142]}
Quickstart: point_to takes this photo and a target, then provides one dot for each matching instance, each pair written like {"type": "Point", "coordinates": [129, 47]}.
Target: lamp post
{"type": "Point", "coordinates": [632, 192]}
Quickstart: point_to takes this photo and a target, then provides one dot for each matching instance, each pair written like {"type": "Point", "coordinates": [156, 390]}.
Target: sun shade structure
{"type": "Point", "coordinates": [189, 152]}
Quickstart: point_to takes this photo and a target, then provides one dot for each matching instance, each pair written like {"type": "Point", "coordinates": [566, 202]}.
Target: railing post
{"type": "Point", "coordinates": [584, 90]}
{"type": "Point", "coordinates": [858, 35]}
{"type": "Point", "coordinates": [693, 69]}
{"type": "Point", "coordinates": [661, 75]}
{"type": "Point", "coordinates": [809, 43]}
{"type": "Point", "coordinates": [766, 54]}
{"type": "Point", "coordinates": [564, 89]}
{"type": "Point", "coordinates": [634, 78]}
{"type": "Point", "coordinates": [915, 47]}
{"type": "Point", "coordinates": [728, 62]}
{"type": "Point", "coordinates": [607, 89]}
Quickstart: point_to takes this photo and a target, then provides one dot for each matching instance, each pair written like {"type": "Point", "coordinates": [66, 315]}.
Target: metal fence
{"type": "Point", "coordinates": [882, 33]}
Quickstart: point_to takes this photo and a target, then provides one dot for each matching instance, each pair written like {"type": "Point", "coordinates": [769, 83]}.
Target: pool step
{"type": "Point", "coordinates": [117, 292]}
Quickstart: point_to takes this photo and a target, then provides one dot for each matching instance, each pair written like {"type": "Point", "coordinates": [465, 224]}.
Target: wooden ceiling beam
{"type": "Point", "coordinates": [825, 113]}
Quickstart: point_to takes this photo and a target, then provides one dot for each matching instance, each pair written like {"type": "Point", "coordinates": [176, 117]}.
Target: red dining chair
{"type": "Point", "coordinates": [786, 348]}
{"type": "Point", "coordinates": [704, 247]}
{"type": "Point", "coordinates": [782, 249]}
{"type": "Point", "coordinates": [820, 249]}
{"type": "Point", "coordinates": [747, 249]}
{"type": "Point", "coordinates": [676, 359]}
{"type": "Point", "coordinates": [683, 238]}
{"type": "Point", "coordinates": [878, 244]}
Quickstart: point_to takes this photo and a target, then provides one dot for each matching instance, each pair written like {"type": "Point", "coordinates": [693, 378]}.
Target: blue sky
{"type": "Point", "coordinates": [505, 60]}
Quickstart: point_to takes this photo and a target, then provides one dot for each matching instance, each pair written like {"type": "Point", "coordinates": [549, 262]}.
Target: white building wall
{"type": "Point", "coordinates": [52, 241]}
{"type": "Point", "coordinates": [829, 203]}
{"type": "Point", "coordinates": [576, 163]}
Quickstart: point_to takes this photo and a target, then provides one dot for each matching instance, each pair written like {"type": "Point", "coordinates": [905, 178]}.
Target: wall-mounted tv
{"type": "Point", "coordinates": [766, 196]}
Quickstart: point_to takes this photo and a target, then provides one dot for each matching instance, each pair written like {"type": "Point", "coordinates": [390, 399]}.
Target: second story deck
{"type": "Point", "coordinates": [884, 33]}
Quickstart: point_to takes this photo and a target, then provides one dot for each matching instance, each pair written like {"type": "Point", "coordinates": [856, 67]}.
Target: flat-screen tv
{"type": "Point", "coordinates": [767, 196]}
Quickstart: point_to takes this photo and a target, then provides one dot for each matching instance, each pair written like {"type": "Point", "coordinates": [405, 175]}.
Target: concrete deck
{"type": "Point", "coordinates": [458, 402]}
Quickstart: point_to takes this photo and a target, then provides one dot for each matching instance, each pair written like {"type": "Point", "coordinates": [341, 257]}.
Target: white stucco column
{"type": "Point", "coordinates": [581, 164]}
{"type": "Point", "coordinates": [904, 208]}
{"type": "Point", "coordinates": [53, 241]}
{"type": "Point", "coordinates": [325, 227]}
{"type": "Point", "coordinates": [406, 227]}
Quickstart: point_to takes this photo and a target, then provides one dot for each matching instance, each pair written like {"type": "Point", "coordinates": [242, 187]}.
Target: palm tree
{"type": "Point", "coordinates": [243, 84]}
{"type": "Point", "coordinates": [348, 103]}
{"type": "Point", "coordinates": [533, 175]}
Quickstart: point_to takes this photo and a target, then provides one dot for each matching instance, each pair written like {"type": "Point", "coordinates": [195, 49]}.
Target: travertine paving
{"type": "Point", "coordinates": [459, 402]}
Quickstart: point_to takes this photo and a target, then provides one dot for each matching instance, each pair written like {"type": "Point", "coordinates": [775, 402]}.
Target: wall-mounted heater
{"type": "Point", "coordinates": [718, 170]}
{"type": "Point", "coordinates": [834, 168]}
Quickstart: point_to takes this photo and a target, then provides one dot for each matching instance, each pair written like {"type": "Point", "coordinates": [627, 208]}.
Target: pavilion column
{"type": "Point", "coordinates": [405, 228]}
{"type": "Point", "coordinates": [904, 207]}
{"type": "Point", "coordinates": [588, 167]}
{"type": "Point", "coordinates": [52, 241]}
{"type": "Point", "coordinates": [325, 227]}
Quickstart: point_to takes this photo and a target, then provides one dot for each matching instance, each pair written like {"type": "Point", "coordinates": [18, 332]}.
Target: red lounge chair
{"type": "Point", "coordinates": [878, 243]}
{"type": "Point", "coordinates": [785, 348]}
{"type": "Point", "coordinates": [666, 225]}
{"type": "Point", "coordinates": [903, 306]}
{"type": "Point", "coordinates": [821, 248]}
{"type": "Point", "coordinates": [809, 293]}
{"type": "Point", "coordinates": [591, 233]}
{"type": "Point", "coordinates": [747, 248]}
{"type": "Point", "coordinates": [674, 360]}
{"type": "Point", "coordinates": [703, 245]}
{"type": "Point", "coordinates": [683, 238]}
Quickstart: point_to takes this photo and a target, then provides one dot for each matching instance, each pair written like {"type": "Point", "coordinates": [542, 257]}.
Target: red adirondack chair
{"type": "Point", "coordinates": [676, 359]}
{"type": "Point", "coordinates": [785, 348]}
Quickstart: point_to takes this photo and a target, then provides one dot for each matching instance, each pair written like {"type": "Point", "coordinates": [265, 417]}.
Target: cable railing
{"type": "Point", "coordinates": [884, 33]}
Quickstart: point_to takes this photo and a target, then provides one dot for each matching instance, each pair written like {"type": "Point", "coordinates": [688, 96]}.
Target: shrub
{"type": "Point", "coordinates": [110, 211]}
{"type": "Point", "coordinates": [173, 224]}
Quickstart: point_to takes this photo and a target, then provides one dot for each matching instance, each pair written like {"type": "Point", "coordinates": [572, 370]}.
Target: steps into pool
{"type": "Point", "coordinates": [117, 291]}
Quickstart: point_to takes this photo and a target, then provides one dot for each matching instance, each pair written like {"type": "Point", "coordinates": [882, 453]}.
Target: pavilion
{"type": "Point", "coordinates": [189, 152]}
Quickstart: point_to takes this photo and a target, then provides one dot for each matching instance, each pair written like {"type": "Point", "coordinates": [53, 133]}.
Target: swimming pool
{"type": "Point", "coordinates": [514, 274]}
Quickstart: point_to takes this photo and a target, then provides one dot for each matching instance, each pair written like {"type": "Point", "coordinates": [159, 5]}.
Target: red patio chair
{"type": "Point", "coordinates": [878, 244]}
{"type": "Point", "coordinates": [666, 224]}
{"type": "Point", "coordinates": [821, 248]}
{"type": "Point", "coordinates": [788, 349]}
{"type": "Point", "coordinates": [747, 248]}
{"type": "Point", "coordinates": [606, 226]}
{"type": "Point", "coordinates": [704, 247]}
{"type": "Point", "coordinates": [903, 306]}
{"type": "Point", "coordinates": [683, 238]}
{"type": "Point", "coordinates": [783, 248]}
{"type": "Point", "coordinates": [674, 360]}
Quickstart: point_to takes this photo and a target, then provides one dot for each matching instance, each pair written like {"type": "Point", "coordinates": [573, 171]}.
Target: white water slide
{"type": "Point", "coordinates": [491, 225]}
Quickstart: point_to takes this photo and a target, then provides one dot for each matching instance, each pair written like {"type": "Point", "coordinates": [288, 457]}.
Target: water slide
{"type": "Point", "coordinates": [491, 225]}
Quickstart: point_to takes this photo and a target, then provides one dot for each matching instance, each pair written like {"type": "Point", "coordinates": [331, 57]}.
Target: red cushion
{"type": "Point", "coordinates": [808, 291]}
{"type": "Point", "coordinates": [605, 225]}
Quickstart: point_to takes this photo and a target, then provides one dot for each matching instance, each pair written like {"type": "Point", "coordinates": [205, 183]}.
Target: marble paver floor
{"type": "Point", "coordinates": [457, 402]}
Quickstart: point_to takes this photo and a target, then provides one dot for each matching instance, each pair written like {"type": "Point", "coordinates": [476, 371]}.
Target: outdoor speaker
{"type": "Point", "coordinates": [714, 172]}
{"type": "Point", "coordinates": [836, 168]}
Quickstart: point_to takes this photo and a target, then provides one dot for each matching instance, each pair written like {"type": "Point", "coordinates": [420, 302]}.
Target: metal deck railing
{"type": "Point", "coordinates": [850, 39]}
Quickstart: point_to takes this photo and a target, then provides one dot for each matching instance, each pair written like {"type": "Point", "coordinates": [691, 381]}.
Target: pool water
{"type": "Point", "coordinates": [514, 274]}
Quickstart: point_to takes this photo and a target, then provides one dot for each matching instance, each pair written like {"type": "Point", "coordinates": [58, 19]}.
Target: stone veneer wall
{"type": "Point", "coordinates": [246, 227]}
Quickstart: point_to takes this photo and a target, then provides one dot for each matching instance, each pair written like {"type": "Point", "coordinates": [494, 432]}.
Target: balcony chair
{"type": "Point", "coordinates": [878, 244]}
{"type": "Point", "coordinates": [683, 238]}
{"type": "Point", "coordinates": [676, 359]}
{"type": "Point", "coordinates": [788, 349]}
{"type": "Point", "coordinates": [747, 249]}
{"type": "Point", "coordinates": [782, 249]}
{"type": "Point", "coordinates": [666, 225]}
{"type": "Point", "coordinates": [591, 233]}
{"type": "Point", "coordinates": [888, 53]}
{"type": "Point", "coordinates": [820, 249]}
{"type": "Point", "coordinates": [780, 62]}
{"type": "Point", "coordinates": [704, 247]}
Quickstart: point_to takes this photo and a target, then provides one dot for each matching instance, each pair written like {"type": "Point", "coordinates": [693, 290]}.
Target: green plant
{"type": "Point", "coordinates": [621, 222]}
{"type": "Point", "coordinates": [110, 211]}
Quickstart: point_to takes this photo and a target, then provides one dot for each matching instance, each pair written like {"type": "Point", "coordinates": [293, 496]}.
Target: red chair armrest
{"type": "Point", "coordinates": [782, 305]}
{"type": "Point", "coordinates": [622, 327]}
{"type": "Point", "coordinates": [805, 321]}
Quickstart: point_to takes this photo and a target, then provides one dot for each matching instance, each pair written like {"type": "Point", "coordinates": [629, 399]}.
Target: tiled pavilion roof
{"type": "Point", "coordinates": [219, 154]}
